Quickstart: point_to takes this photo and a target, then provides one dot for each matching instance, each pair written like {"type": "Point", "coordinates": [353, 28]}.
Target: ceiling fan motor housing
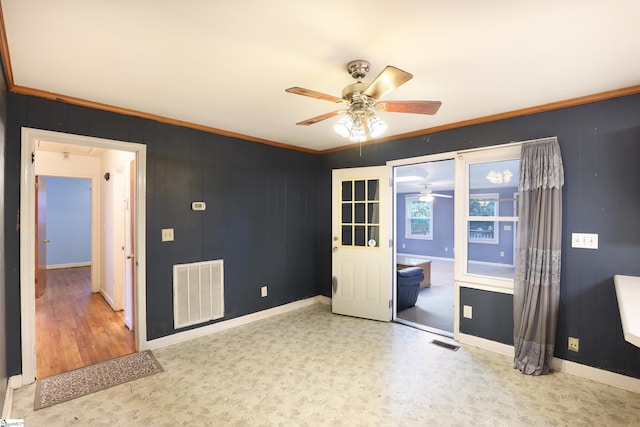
{"type": "Point", "coordinates": [358, 69]}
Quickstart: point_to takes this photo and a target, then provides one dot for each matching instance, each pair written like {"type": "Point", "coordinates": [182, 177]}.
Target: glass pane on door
{"type": "Point", "coordinates": [360, 213]}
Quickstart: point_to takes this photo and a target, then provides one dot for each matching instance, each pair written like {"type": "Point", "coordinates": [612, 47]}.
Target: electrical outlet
{"type": "Point", "coordinates": [574, 344]}
{"type": "Point", "coordinates": [467, 312]}
{"type": "Point", "coordinates": [263, 291]}
{"type": "Point", "coordinates": [167, 234]}
{"type": "Point", "coordinates": [501, 253]}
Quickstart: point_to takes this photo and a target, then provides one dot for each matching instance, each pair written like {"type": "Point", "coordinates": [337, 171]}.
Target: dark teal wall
{"type": "Point", "coordinates": [261, 210]}
{"type": "Point", "coordinates": [600, 144]}
{"type": "Point", "coordinates": [269, 215]}
{"type": "Point", "coordinates": [3, 300]}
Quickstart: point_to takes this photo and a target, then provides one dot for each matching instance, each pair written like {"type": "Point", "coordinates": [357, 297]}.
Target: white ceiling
{"type": "Point", "coordinates": [226, 65]}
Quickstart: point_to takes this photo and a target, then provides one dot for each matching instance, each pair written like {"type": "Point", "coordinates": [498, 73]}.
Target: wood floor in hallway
{"type": "Point", "coordinates": [75, 328]}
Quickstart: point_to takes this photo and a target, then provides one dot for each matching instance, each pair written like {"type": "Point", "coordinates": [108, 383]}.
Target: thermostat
{"type": "Point", "coordinates": [198, 206]}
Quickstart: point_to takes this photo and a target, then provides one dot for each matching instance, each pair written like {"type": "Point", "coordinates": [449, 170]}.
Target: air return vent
{"type": "Point", "coordinates": [198, 292]}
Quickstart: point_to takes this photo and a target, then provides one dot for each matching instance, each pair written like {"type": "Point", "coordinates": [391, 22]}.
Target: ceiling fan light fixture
{"type": "Point", "coordinates": [353, 126]}
{"type": "Point", "coordinates": [344, 126]}
{"type": "Point", "coordinates": [376, 126]}
{"type": "Point", "coordinates": [358, 133]}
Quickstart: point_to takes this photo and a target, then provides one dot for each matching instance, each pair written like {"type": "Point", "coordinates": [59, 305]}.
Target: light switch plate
{"type": "Point", "coordinates": [584, 240]}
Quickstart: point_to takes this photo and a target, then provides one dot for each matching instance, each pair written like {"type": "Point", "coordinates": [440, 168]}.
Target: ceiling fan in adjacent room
{"type": "Point", "coordinates": [427, 195]}
{"type": "Point", "coordinates": [363, 99]}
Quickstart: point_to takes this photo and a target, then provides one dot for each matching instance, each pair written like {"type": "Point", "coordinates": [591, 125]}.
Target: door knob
{"type": "Point", "coordinates": [46, 241]}
{"type": "Point", "coordinates": [335, 249]}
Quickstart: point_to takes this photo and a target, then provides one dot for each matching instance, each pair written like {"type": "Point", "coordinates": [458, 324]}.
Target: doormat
{"type": "Point", "coordinates": [446, 345]}
{"type": "Point", "coordinates": [80, 382]}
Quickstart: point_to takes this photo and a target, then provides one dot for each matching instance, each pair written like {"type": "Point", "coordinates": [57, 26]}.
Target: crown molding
{"type": "Point", "coordinates": [616, 93]}
{"type": "Point", "coordinates": [12, 87]}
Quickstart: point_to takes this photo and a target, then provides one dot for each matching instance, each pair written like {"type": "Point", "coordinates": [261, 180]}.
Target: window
{"type": "Point", "coordinates": [487, 219]}
{"type": "Point", "coordinates": [483, 205]}
{"type": "Point", "coordinates": [419, 218]}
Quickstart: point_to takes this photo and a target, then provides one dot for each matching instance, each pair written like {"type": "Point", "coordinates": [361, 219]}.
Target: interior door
{"type": "Point", "coordinates": [129, 269]}
{"type": "Point", "coordinates": [361, 260]}
{"type": "Point", "coordinates": [41, 236]}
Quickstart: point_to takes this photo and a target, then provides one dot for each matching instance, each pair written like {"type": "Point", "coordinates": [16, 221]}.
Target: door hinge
{"type": "Point", "coordinates": [33, 157]}
{"type": "Point", "coordinates": [390, 303]}
{"type": "Point", "coordinates": [391, 243]}
{"type": "Point", "coordinates": [390, 182]}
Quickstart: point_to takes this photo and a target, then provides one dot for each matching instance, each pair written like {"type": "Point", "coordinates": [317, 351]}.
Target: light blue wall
{"type": "Point", "coordinates": [68, 221]}
{"type": "Point", "coordinates": [442, 244]}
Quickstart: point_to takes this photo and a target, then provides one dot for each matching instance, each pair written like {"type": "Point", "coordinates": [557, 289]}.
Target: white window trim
{"type": "Point", "coordinates": [461, 198]}
{"type": "Point", "coordinates": [496, 228]}
{"type": "Point", "coordinates": [407, 220]}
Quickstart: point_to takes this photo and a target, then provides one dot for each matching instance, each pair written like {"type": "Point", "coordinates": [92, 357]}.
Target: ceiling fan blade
{"type": "Point", "coordinates": [389, 79]}
{"type": "Point", "coordinates": [313, 94]}
{"type": "Point", "coordinates": [414, 107]}
{"type": "Point", "coordinates": [445, 196]}
{"type": "Point", "coordinates": [321, 118]}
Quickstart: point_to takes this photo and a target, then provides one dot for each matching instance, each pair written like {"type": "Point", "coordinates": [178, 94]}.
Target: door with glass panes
{"type": "Point", "coordinates": [361, 252]}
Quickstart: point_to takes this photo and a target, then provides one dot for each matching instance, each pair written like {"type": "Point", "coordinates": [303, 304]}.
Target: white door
{"type": "Point", "coordinates": [361, 261]}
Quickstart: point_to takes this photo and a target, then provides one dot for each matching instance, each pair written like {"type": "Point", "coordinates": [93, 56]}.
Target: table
{"type": "Point", "coordinates": [403, 261]}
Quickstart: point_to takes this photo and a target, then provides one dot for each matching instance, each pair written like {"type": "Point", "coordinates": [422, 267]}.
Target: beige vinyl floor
{"type": "Point", "coordinates": [312, 368]}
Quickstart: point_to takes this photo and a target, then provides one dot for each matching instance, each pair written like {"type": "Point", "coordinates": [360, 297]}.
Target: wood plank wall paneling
{"type": "Point", "coordinates": [600, 143]}
{"type": "Point", "coordinates": [253, 206]}
{"type": "Point", "coordinates": [243, 183]}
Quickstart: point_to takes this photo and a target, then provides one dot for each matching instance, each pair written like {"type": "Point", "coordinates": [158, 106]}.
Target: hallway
{"type": "Point", "coordinates": [75, 328]}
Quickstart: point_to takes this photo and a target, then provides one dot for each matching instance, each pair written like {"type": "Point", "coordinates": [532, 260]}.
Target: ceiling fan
{"type": "Point", "coordinates": [427, 195]}
{"type": "Point", "coordinates": [362, 100]}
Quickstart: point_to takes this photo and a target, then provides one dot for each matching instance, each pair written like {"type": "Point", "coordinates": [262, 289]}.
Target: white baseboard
{"type": "Point", "coordinates": [12, 384]}
{"type": "Point", "coordinates": [596, 374]}
{"type": "Point", "coordinates": [68, 265]}
{"type": "Point", "coordinates": [323, 300]}
{"type": "Point", "coordinates": [496, 347]}
{"type": "Point", "coordinates": [425, 257]}
{"type": "Point", "coordinates": [181, 337]}
{"type": "Point", "coordinates": [109, 300]}
{"type": "Point", "coordinates": [561, 365]}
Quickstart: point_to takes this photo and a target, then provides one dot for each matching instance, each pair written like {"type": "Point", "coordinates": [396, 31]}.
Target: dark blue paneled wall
{"type": "Point", "coordinates": [261, 210]}
{"type": "Point", "coordinates": [3, 301]}
{"type": "Point", "coordinates": [269, 214]}
{"type": "Point", "coordinates": [600, 144]}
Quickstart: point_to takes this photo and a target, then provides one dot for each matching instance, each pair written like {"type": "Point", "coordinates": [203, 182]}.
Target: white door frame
{"type": "Point", "coordinates": [27, 237]}
{"type": "Point", "coordinates": [410, 161]}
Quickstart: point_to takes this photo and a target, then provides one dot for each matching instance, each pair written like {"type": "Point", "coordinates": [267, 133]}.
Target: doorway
{"type": "Point", "coordinates": [424, 221]}
{"type": "Point", "coordinates": [31, 138]}
{"type": "Point", "coordinates": [76, 326]}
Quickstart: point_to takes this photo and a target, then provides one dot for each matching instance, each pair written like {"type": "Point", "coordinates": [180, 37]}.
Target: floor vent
{"type": "Point", "coordinates": [446, 345]}
{"type": "Point", "coordinates": [198, 292]}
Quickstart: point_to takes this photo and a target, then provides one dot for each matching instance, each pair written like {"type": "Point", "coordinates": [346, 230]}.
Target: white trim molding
{"type": "Point", "coordinates": [13, 383]}
{"type": "Point", "coordinates": [203, 331]}
{"type": "Point", "coordinates": [27, 236]}
{"type": "Point", "coordinates": [596, 374]}
{"type": "Point", "coordinates": [560, 365]}
{"type": "Point", "coordinates": [68, 265]}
